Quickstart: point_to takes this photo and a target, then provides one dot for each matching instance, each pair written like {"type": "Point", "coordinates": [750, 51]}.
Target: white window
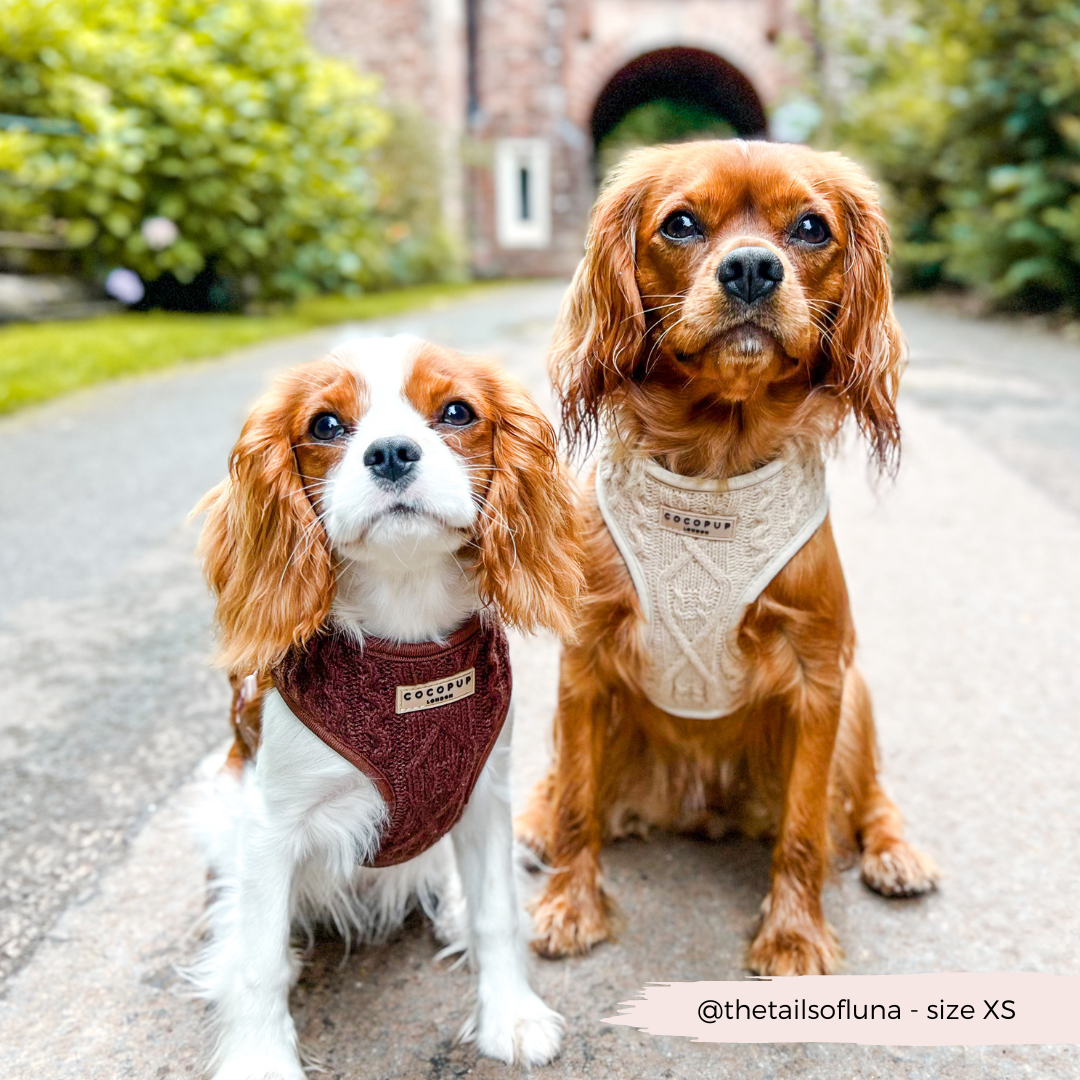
{"type": "Point", "coordinates": [523, 193]}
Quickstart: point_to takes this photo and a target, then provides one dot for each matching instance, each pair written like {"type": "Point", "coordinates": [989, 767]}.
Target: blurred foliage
{"type": "Point", "coordinates": [41, 360]}
{"type": "Point", "coordinates": [408, 169]}
{"type": "Point", "coordinates": [969, 111]}
{"type": "Point", "coordinates": [275, 162]}
{"type": "Point", "coordinates": [654, 122]}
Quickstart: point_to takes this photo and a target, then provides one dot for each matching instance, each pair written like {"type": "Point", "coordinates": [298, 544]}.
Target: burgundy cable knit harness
{"type": "Point", "coordinates": [419, 719]}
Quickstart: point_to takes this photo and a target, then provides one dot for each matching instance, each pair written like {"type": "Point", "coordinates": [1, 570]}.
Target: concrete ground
{"type": "Point", "coordinates": [964, 587]}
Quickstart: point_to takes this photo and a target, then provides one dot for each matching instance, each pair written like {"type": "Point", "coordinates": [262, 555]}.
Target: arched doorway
{"type": "Point", "coordinates": [669, 95]}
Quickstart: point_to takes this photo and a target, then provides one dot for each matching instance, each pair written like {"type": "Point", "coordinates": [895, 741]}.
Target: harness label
{"type": "Point", "coordinates": [687, 523]}
{"type": "Point", "coordinates": [431, 695]}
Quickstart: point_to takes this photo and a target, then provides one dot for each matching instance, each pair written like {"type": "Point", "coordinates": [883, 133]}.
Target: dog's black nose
{"type": "Point", "coordinates": [392, 459]}
{"type": "Point", "coordinates": [750, 273]}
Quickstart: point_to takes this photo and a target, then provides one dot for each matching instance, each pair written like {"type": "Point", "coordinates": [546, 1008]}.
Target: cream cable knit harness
{"type": "Point", "coordinates": [699, 553]}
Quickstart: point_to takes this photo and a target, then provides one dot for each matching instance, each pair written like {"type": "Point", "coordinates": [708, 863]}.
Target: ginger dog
{"type": "Point", "coordinates": [387, 509]}
{"type": "Point", "coordinates": [732, 309]}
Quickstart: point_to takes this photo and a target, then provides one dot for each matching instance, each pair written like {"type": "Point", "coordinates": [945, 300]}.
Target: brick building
{"type": "Point", "coordinates": [521, 91]}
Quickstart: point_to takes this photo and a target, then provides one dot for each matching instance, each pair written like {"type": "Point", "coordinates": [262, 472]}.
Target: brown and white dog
{"type": "Point", "coordinates": [732, 309]}
{"type": "Point", "coordinates": [392, 490]}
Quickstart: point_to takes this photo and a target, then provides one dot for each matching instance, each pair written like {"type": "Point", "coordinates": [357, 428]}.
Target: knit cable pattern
{"type": "Point", "coordinates": [695, 588]}
{"type": "Point", "coordinates": [425, 762]}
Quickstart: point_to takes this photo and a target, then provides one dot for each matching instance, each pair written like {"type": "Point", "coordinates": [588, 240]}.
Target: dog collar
{"type": "Point", "coordinates": [419, 719]}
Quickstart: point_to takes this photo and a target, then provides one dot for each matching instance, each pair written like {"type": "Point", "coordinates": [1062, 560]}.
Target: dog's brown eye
{"type": "Point", "coordinates": [458, 414]}
{"type": "Point", "coordinates": [326, 427]}
{"type": "Point", "coordinates": [681, 226]}
{"type": "Point", "coordinates": [812, 229]}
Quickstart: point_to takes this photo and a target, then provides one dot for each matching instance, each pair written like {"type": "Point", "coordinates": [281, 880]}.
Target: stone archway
{"type": "Point", "coordinates": [685, 76]}
{"type": "Point", "coordinates": [518, 93]}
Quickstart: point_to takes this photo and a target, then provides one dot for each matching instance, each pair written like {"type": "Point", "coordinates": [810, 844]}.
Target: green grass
{"type": "Point", "coordinates": [42, 360]}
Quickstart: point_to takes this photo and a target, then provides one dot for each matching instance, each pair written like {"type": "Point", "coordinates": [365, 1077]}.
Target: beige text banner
{"type": "Point", "coordinates": [894, 1010]}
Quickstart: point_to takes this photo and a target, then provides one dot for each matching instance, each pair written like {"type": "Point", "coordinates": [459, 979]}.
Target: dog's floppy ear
{"type": "Point", "coordinates": [264, 550]}
{"type": "Point", "coordinates": [528, 550]}
{"type": "Point", "coordinates": [866, 346]}
{"type": "Point", "coordinates": [601, 325]}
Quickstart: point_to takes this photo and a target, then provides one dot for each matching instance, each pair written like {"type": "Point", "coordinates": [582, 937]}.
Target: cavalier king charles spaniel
{"type": "Point", "coordinates": [731, 311]}
{"type": "Point", "coordinates": [386, 508]}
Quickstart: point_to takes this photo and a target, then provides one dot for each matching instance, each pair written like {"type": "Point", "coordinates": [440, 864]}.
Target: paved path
{"type": "Point", "coordinates": [964, 586]}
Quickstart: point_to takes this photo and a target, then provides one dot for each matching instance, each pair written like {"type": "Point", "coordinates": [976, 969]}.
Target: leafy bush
{"type": "Point", "coordinates": [408, 172]}
{"type": "Point", "coordinates": [970, 113]}
{"type": "Point", "coordinates": [219, 117]}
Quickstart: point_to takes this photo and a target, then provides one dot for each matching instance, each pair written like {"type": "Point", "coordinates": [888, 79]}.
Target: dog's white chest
{"type": "Point", "coordinates": [699, 552]}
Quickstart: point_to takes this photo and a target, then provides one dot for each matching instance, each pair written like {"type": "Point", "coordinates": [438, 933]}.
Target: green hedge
{"type": "Point", "coordinates": [969, 111]}
{"type": "Point", "coordinates": [272, 159]}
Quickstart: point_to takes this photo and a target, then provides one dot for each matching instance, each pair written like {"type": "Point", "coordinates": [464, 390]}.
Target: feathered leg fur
{"type": "Point", "coordinates": [283, 840]}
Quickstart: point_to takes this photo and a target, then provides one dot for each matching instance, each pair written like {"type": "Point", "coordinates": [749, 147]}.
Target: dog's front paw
{"type": "Point", "coordinates": [245, 1066]}
{"type": "Point", "coordinates": [898, 870]}
{"type": "Point", "coordinates": [568, 923]}
{"type": "Point", "coordinates": [515, 1028]}
{"type": "Point", "coordinates": [573, 913]}
{"type": "Point", "coordinates": [799, 944]}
